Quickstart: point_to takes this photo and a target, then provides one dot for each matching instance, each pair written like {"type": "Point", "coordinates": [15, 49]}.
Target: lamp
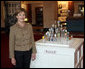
{"type": "Point", "coordinates": [26, 19]}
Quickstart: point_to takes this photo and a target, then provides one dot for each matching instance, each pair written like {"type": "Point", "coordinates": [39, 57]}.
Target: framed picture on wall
{"type": "Point", "coordinates": [81, 9]}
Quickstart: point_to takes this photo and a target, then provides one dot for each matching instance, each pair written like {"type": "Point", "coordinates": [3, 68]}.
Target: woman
{"type": "Point", "coordinates": [21, 42]}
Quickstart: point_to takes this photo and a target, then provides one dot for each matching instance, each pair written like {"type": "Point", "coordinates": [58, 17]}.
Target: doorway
{"type": "Point", "coordinates": [39, 16]}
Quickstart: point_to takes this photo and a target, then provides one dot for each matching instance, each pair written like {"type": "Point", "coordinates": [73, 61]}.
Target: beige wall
{"type": "Point", "coordinates": [2, 14]}
{"type": "Point", "coordinates": [49, 13]}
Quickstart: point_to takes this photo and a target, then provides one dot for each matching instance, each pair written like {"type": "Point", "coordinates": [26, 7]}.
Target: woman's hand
{"type": "Point", "coordinates": [33, 56]}
{"type": "Point", "coordinates": [13, 61]}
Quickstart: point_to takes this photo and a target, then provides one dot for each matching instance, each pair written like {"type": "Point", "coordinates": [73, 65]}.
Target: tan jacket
{"type": "Point", "coordinates": [21, 39]}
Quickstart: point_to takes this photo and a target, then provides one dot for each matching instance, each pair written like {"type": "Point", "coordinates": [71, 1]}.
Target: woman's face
{"type": "Point", "coordinates": [21, 16]}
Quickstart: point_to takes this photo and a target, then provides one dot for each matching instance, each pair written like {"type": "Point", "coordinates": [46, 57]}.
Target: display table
{"type": "Point", "coordinates": [58, 54]}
